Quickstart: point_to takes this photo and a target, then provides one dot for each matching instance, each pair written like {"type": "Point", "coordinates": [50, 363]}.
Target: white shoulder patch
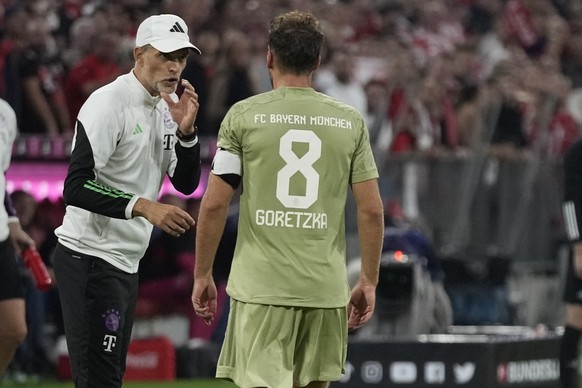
{"type": "Point", "coordinates": [226, 162]}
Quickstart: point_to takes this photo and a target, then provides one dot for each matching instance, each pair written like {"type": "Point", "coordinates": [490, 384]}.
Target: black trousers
{"type": "Point", "coordinates": [98, 302]}
{"type": "Point", "coordinates": [10, 280]}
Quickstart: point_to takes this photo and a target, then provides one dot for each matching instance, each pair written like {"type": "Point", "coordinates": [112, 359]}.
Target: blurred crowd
{"type": "Point", "coordinates": [438, 78]}
{"type": "Point", "coordinates": [429, 75]}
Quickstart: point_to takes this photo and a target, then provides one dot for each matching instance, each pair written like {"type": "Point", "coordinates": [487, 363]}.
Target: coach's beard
{"type": "Point", "coordinates": [167, 86]}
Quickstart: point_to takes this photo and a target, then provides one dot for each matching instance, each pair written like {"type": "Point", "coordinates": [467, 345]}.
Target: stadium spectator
{"type": "Point", "coordinates": [376, 114]}
{"type": "Point", "coordinates": [33, 82]}
{"type": "Point", "coordinates": [79, 44]}
{"type": "Point", "coordinates": [200, 71]}
{"type": "Point", "coordinates": [92, 71]}
{"type": "Point", "coordinates": [507, 131]}
{"type": "Point", "coordinates": [14, 239]}
{"type": "Point", "coordinates": [344, 85]}
{"type": "Point", "coordinates": [233, 79]}
{"type": "Point", "coordinates": [13, 37]}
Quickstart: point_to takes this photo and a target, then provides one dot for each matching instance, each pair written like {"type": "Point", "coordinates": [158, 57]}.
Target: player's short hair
{"type": "Point", "coordinates": [295, 38]}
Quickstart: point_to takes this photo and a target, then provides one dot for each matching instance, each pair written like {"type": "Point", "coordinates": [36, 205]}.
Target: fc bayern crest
{"type": "Point", "coordinates": [111, 319]}
{"type": "Point", "coordinates": [168, 120]}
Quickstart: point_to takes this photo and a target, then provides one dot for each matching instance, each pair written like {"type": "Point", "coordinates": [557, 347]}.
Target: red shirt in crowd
{"type": "Point", "coordinates": [90, 73]}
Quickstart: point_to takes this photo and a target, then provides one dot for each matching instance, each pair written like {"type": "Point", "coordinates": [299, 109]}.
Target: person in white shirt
{"type": "Point", "coordinates": [13, 240]}
{"type": "Point", "coordinates": [345, 87]}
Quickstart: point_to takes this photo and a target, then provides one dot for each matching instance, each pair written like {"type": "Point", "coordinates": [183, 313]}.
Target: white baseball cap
{"type": "Point", "coordinates": [165, 32]}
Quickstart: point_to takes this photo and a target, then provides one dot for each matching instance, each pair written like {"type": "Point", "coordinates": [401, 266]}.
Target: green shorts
{"type": "Point", "coordinates": [279, 346]}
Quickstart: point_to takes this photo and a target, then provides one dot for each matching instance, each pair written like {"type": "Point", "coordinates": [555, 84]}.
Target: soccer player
{"type": "Point", "coordinates": [13, 239]}
{"type": "Point", "coordinates": [130, 134]}
{"type": "Point", "coordinates": [572, 214]}
{"type": "Point", "coordinates": [295, 152]}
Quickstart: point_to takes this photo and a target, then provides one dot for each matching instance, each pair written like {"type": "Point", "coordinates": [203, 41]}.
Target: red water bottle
{"type": "Point", "coordinates": [34, 262]}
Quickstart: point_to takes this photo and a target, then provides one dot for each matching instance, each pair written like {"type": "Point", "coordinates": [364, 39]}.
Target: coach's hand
{"type": "Point", "coordinates": [185, 110]}
{"type": "Point", "coordinates": [169, 218]}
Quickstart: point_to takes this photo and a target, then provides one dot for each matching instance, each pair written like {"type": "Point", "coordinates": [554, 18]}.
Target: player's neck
{"type": "Point", "coordinates": [292, 81]}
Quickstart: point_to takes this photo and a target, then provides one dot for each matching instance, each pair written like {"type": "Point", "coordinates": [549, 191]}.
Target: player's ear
{"type": "Point", "coordinates": [269, 58]}
{"type": "Point", "coordinates": [318, 63]}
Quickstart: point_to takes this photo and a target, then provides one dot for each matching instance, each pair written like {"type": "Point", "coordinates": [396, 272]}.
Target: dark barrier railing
{"type": "Point", "coordinates": [478, 206]}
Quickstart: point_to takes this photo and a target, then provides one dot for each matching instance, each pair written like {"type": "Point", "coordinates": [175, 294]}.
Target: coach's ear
{"type": "Point", "coordinates": [138, 53]}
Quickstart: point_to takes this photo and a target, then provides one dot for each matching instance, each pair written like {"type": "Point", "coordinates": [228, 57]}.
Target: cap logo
{"type": "Point", "coordinates": [166, 33]}
{"type": "Point", "coordinates": [177, 28]}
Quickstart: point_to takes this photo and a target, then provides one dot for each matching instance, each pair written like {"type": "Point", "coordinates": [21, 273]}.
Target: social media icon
{"type": "Point", "coordinates": [502, 373]}
{"type": "Point", "coordinates": [372, 372]}
{"type": "Point", "coordinates": [403, 372]}
{"type": "Point", "coordinates": [434, 372]}
{"type": "Point", "coordinates": [464, 372]}
{"type": "Point", "coordinates": [349, 369]}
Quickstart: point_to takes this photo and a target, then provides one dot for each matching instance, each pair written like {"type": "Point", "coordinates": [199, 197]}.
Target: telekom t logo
{"type": "Point", "coordinates": [109, 342]}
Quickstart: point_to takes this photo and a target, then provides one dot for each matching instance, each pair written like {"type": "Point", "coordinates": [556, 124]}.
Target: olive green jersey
{"type": "Point", "coordinates": [299, 152]}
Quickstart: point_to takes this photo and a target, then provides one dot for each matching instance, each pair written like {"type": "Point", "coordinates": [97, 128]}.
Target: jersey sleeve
{"type": "Point", "coordinates": [228, 136]}
{"type": "Point", "coordinates": [227, 163]}
{"type": "Point", "coordinates": [363, 165]}
{"type": "Point", "coordinates": [97, 132]}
